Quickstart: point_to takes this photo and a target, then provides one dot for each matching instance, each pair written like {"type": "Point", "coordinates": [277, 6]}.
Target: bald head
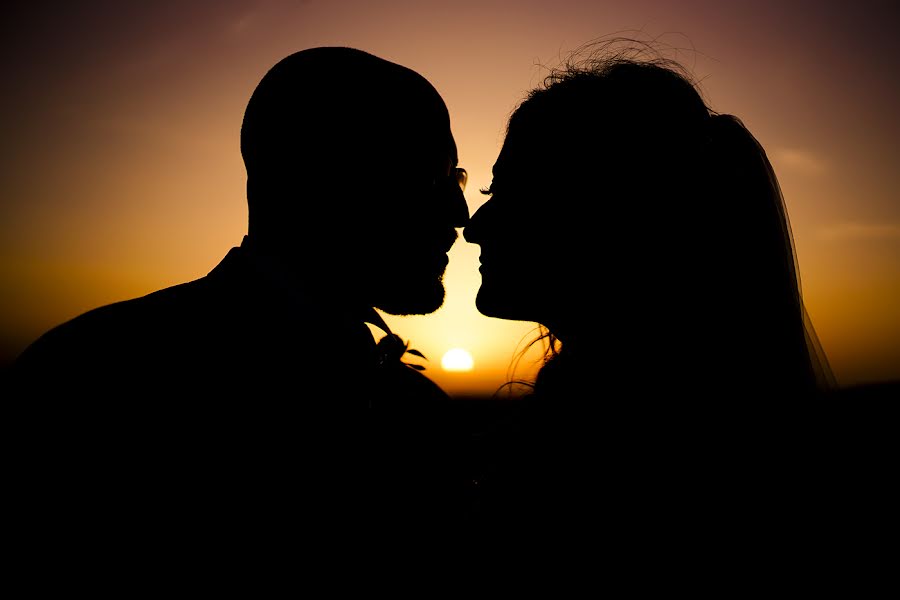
{"type": "Point", "coordinates": [334, 112]}
{"type": "Point", "coordinates": [347, 155]}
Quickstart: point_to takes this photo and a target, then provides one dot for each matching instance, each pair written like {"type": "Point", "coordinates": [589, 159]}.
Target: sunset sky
{"type": "Point", "coordinates": [122, 174]}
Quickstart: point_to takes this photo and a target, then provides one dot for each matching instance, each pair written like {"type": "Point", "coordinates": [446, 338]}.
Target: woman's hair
{"type": "Point", "coordinates": [635, 136]}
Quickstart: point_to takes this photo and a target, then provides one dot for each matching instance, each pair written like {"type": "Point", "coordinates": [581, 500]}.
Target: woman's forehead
{"type": "Point", "coordinates": [517, 154]}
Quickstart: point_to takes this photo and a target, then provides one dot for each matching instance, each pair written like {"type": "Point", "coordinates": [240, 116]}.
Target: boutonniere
{"type": "Point", "coordinates": [392, 349]}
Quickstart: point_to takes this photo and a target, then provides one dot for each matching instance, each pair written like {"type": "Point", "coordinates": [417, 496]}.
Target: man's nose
{"type": "Point", "coordinates": [471, 233]}
{"type": "Point", "coordinates": [457, 207]}
{"type": "Point", "coordinates": [458, 210]}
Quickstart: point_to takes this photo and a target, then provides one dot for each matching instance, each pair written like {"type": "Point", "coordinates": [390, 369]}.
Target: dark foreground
{"type": "Point", "coordinates": [189, 487]}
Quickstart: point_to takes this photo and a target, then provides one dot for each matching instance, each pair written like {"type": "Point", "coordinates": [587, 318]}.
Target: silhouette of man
{"type": "Point", "coordinates": [262, 380]}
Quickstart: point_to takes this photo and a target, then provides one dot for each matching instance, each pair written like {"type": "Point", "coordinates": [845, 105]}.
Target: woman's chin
{"type": "Point", "coordinates": [499, 306]}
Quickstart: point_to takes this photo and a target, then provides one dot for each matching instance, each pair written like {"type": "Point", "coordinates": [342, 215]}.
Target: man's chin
{"type": "Point", "coordinates": [404, 301]}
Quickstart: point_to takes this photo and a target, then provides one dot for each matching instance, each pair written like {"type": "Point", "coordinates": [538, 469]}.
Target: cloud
{"type": "Point", "coordinates": [243, 22]}
{"type": "Point", "coordinates": [861, 231]}
{"type": "Point", "coordinates": [801, 161]}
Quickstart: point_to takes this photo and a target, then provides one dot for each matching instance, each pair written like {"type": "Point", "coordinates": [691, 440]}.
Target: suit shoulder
{"type": "Point", "coordinates": [101, 330]}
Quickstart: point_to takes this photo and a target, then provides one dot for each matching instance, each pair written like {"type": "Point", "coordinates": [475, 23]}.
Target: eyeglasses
{"type": "Point", "coordinates": [457, 178]}
{"type": "Point", "coordinates": [461, 177]}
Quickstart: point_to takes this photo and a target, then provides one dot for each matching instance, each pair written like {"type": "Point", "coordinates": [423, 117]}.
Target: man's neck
{"type": "Point", "coordinates": [275, 265]}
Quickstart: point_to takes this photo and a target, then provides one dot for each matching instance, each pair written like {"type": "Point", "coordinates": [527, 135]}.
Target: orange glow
{"type": "Point", "coordinates": [122, 171]}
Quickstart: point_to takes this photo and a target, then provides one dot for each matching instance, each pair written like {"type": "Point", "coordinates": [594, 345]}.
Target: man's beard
{"type": "Point", "coordinates": [408, 296]}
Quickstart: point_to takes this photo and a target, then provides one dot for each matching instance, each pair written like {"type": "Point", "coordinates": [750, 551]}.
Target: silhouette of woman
{"type": "Point", "coordinates": [659, 227]}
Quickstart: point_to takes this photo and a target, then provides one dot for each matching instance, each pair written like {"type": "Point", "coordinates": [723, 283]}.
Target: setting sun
{"type": "Point", "coordinates": [103, 197]}
{"type": "Point", "coordinates": [457, 359]}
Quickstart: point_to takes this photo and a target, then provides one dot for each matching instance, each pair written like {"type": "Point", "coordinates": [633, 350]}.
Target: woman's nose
{"type": "Point", "coordinates": [458, 210]}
